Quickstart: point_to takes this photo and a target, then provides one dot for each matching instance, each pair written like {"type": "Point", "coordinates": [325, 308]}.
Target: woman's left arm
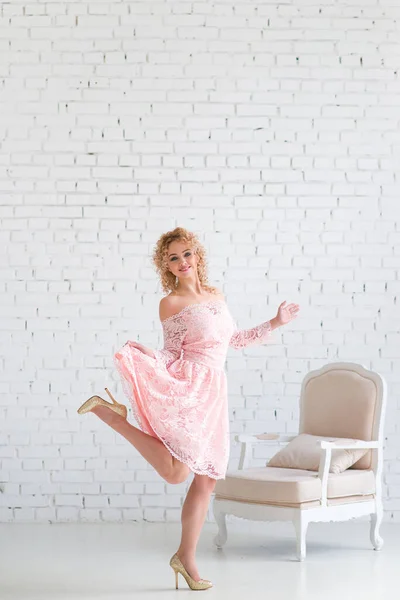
{"type": "Point", "coordinates": [261, 333]}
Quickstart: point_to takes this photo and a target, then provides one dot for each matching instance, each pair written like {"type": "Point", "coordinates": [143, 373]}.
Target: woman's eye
{"type": "Point", "coordinates": [188, 254]}
{"type": "Point", "coordinates": [173, 258]}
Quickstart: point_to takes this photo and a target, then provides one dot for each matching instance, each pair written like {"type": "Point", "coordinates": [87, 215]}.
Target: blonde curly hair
{"type": "Point", "coordinates": [160, 258]}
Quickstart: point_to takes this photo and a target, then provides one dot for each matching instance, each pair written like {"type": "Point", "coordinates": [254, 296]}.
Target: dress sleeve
{"type": "Point", "coordinates": [174, 332]}
{"type": "Point", "coordinates": [251, 337]}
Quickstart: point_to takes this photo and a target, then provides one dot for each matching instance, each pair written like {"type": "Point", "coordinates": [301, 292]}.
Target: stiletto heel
{"type": "Point", "coordinates": [94, 401]}
{"type": "Point", "coordinates": [111, 396]}
{"type": "Point", "coordinates": [178, 567]}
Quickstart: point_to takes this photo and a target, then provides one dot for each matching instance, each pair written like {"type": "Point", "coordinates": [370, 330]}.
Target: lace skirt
{"type": "Point", "coordinates": [185, 405]}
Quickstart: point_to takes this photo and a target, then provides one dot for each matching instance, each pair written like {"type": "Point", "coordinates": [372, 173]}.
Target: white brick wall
{"type": "Point", "coordinates": [272, 129]}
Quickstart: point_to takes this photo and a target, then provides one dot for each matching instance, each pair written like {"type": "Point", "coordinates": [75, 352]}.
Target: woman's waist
{"type": "Point", "coordinates": [211, 360]}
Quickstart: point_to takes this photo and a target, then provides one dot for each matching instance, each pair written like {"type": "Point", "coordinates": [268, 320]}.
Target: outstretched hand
{"type": "Point", "coordinates": [287, 313]}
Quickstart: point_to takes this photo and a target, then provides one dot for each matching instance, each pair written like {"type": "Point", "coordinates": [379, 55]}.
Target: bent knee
{"type": "Point", "coordinates": [176, 476]}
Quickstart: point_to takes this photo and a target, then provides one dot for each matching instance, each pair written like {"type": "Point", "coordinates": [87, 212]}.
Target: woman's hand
{"type": "Point", "coordinates": [140, 347]}
{"type": "Point", "coordinates": [286, 313]}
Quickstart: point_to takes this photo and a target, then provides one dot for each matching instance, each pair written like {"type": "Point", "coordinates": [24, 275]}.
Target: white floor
{"type": "Point", "coordinates": [118, 562]}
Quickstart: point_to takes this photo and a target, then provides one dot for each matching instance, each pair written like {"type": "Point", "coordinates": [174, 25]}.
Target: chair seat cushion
{"type": "Point", "coordinates": [291, 487]}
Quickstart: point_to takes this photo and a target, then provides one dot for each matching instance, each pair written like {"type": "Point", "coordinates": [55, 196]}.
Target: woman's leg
{"type": "Point", "coordinates": [194, 512]}
{"type": "Point", "coordinates": [151, 448]}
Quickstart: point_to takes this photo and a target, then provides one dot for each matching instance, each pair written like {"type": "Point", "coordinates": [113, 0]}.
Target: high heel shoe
{"type": "Point", "coordinates": [178, 567]}
{"type": "Point", "coordinates": [87, 406]}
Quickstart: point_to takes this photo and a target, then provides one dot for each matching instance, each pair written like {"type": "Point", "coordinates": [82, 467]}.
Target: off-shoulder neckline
{"type": "Point", "coordinates": [190, 305]}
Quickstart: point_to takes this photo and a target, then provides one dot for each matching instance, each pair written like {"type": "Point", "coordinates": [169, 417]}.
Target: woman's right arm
{"type": "Point", "coordinates": [174, 328]}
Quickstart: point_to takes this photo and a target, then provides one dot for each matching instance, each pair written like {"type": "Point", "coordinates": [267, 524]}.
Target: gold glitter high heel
{"type": "Point", "coordinates": [178, 567]}
{"type": "Point", "coordinates": [87, 406]}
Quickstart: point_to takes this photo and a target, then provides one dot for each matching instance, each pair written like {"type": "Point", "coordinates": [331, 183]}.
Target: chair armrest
{"type": "Point", "coordinates": [326, 456]}
{"type": "Point", "coordinates": [262, 438]}
{"type": "Point", "coordinates": [355, 446]}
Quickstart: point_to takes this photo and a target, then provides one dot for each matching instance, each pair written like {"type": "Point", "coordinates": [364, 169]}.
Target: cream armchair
{"type": "Point", "coordinates": [341, 400]}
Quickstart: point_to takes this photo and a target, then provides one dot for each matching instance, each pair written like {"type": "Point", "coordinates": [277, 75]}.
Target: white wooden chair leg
{"type": "Point", "coordinates": [376, 520]}
{"type": "Point", "coordinates": [222, 534]}
{"type": "Point", "coordinates": [301, 525]}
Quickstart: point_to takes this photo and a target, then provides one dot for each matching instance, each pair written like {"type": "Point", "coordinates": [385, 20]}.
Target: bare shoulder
{"type": "Point", "coordinates": [169, 305]}
{"type": "Point", "coordinates": [172, 304]}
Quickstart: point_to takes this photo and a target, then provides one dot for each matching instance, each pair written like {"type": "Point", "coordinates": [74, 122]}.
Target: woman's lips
{"type": "Point", "coordinates": [184, 270]}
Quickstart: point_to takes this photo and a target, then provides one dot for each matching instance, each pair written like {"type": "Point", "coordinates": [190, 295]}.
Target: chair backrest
{"type": "Point", "coordinates": [344, 400]}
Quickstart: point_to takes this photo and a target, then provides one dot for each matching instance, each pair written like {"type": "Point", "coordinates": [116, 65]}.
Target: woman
{"type": "Point", "coordinates": [179, 394]}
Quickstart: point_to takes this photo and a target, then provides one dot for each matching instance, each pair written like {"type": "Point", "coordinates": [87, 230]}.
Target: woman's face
{"type": "Point", "coordinates": [182, 260]}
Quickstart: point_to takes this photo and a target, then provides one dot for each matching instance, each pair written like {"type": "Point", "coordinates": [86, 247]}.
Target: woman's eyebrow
{"type": "Point", "coordinates": [176, 254]}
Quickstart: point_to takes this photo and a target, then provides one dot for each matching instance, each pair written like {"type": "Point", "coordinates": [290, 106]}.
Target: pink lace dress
{"type": "Point", "coordinates": [180, 396]}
